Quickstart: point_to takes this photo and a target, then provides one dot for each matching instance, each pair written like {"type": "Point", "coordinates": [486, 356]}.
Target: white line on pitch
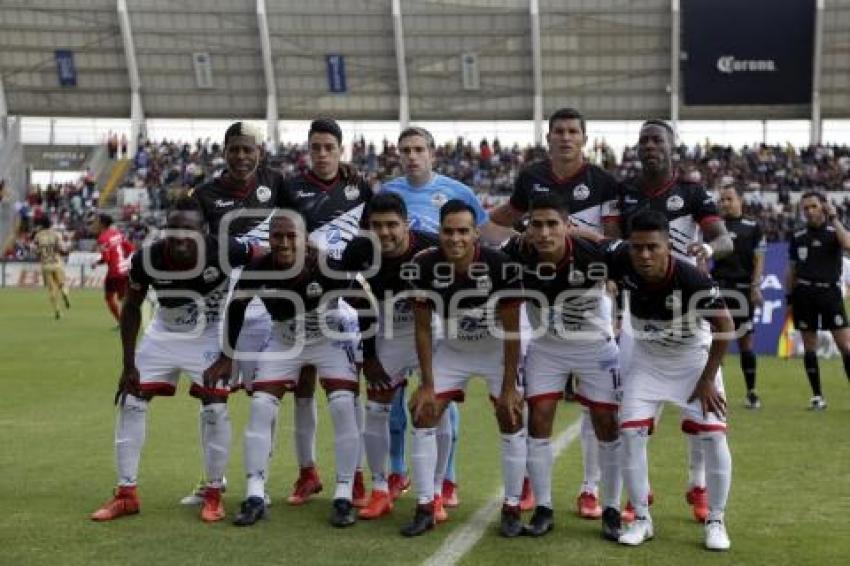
{"type": "Point", "coordinates": [468, 534]}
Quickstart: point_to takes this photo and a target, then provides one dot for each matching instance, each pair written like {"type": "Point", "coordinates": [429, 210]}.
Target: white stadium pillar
{"type": "Point", "coordinates": [675, 63]}
{"type": "Point", "coordinates": [537, 70]}
{"type": "Point", "coordinates": [816, 126]}
{"type": "Point", "coordinates": [4, 110]}
{"type": "Point", "coordinates": [137, 114]}
{"type": "Point", "coordinates": [268, 68]}
{"type": "Point", "coordinates": [401, 63]}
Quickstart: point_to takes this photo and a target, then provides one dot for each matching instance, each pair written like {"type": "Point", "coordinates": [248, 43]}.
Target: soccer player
{"type": "Point", "coordinates": [812, 281]}
{"type": "Point", "coordinates": [739, 276]}
{"type": "Point", "coordinates": [239, 203]}
{"type": "Point", "coordinates": [292, 286]}
{"type": "Point", "coordinates": [590, 194]}
{"type": "Point", "coordinates": [115, 252]}
{"type": "Point", "coordinates": [389, 351]}
{"type": "Point", "coordinates": [697, 233]}
{"type": "Point", "coordinates": [568, 276]}
{"type": "Point", "coordinates": [424, 192]}
{"type": "Point", "coordinates": [469, 288]}
{"type": "Point", "coordinates": [331, 197]}
{"type": "Point", "coordinates": [184, 271]}
{"type": "Point", "coordinates": [675, 359]}
{"type": "Point", "coordinates": [49, 247]}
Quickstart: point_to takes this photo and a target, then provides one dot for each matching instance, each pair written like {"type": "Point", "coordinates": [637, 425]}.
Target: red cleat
{"type": "Point", "coordinates": [627, 515]}
{"type": "Point", "coordinates": [440, 514]}
{"type": "Point", "coordinates": [449, 495]}
{"type": "Point", "coordinates": [379, 505]}
{"type": "Point", "coordinates": [124, 502]}
{"type": "Point", "coordinates": [212, 509]}
{"type": "Point", "coordinates": [307, 485]}
{"type": "Point", "coordinates": [527, 502]}
{"type": "Point", "coordinates": [398, 484]}
{"type": "Point", "coordinates": [698, 499]}
{"type": "Point", "coordinates": [588, 506]}
{"type": "Point", "coordinates": [358, 491]}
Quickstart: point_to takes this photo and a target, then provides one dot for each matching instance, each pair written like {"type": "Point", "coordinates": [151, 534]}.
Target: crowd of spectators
{"type": "Point", "coordinates": [769, 174]}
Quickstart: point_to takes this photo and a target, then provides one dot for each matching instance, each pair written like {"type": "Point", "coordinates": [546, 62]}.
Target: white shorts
{"type": "Point", "coordinates": [550, 362]}
{"type": "Point", "coordinates": [651, 382]}
{"type": "Point", "coordinates": [398, 357]}
{"type": "Point", "coordinates": [162, 355]}
{"type": "Point", "coordinates": [281, 363]}
{"type": "Point", "coordinates": [252, 340]}
{"type": "Point", "coordinates": [453, 367]}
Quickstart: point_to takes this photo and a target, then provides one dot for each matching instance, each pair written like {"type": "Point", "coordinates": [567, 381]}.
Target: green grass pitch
{"type": "Point", "coordinates": [789, 504]}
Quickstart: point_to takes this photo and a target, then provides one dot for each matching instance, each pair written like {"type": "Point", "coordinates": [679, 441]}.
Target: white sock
{"type": "Point", "coordinates": [346, 441]}
{"type": "Point", "coordinates": [361, 428]}
{"type": "Point", "coordinates": [258, 441]}
{"type": "Point", "coordinates": [589, 454]}
{"type": "Point", "coordinates": [718, 462]}
{"type": "Point", "coordinates": [540, 460]}
{"type": "Point", "coordinates": [129, 438]}
{"type": "Point", "coordinates": [423, 460]}
{"type": "Point", "coordinates": [376, 441]}
{"type": "Point", "coordinates": [514, 449]}
{"type": "Point", "coordinates": [306, 416]}
{"type": "Point", "coordinates": [635, 468]}
{"type": "Point", "coordinates": [696, 461]}
{"type": "Point", "coordinates": [444, 448]}
{"type": "Point", "coordinates": [610, 457]}
{"type": "Point", "coordinates": [217, 437]}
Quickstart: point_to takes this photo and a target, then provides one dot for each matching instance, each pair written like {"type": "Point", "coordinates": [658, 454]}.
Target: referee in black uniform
{"type": "Point", "coordinates": [739, 275]}
{"type": "Point", "coordinates": [813, 280]}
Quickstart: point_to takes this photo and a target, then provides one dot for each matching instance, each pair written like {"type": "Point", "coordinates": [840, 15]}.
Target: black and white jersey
{"type": "Point", "coordinates": [298, 301]}
{"type": "Point", "coordinates": [669, 317]}
{"type": "Point", "coordinates": [688, 208]}
{"type": "Point", "coordinates": [362, 256]}
{"type": "Point", "coordinates": [591, 195]}
{"type": "Point", "coordinates": [182, 300]}
{"type": "Point", "coordinates": [264, 193]}
{"type": "Point", "coordinates": [461, 299]}
{"type": "Point", "coordinates": [816, 253]}
{"type": "Point", "coordinates": [332, 210]}
{"type": "Point", "coordinates": [572, 289]}
{"type": "Point", "coordinates": [748, 240]}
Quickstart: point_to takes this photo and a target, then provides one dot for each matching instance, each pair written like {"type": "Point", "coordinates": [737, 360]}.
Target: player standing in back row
{"type": "Point", "coordinates": [812, 283]}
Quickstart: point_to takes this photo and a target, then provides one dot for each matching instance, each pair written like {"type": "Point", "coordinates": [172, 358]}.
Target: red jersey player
{"type": "Point", "coordinates": [115, 252]}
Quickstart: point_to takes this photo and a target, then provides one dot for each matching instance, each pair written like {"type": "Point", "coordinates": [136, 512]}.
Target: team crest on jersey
{"type": "Point", "coordinates": [581, 192]}
{"type": "Point", "coordinates": [802, 253]}
{"type": "Point", "coordinates": [484, 283]}
{"type": "Point", "coordinates": [675, 203]}
{"type": "Point", "coordinates": [263, 193]}
{"type": "Point", "coordinates": [351, 192]}
{"type": "Point", "coordinates": [439, 199]}
{"type": "Point", "coordinates": [576, 278]}
{"type": "Point", "coordinates": [672, 303]}
{"type": "Point", "coordinates": [210, 274]}
{"type": "Point", "coordinates": [314, 290]}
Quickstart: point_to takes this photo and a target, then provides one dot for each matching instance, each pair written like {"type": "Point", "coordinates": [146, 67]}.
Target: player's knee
{"type": "Point", "coordinates": [306, 386]}
{"type": "Point", "coordinates": [540, 419]}
{"type": "Point", "coordinates": [214, 411]}
{"type": "Point", "coordinates": [377, 410]}
{"type": "Point", "coordinates": [605, 424]}
{"type": "Point", "coordinates": [136, 403]}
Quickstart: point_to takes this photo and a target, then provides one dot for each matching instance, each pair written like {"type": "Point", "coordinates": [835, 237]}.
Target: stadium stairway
{"type": "Point", "coordinates": [108, 191]}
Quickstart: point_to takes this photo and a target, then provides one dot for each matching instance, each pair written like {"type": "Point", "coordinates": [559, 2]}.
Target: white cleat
{"type": "Point", "coordinates": [715, 535]}
{"type": "Point", "coordinates": [197, 496]}
{"type": "Point", "coordinates": [638, 532]}
{"type": "Point", "coordinates": [817, 403]}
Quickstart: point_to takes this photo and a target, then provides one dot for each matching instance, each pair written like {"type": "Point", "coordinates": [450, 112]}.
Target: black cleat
{"type": "Point", "coordinates": [542, 521]}
{"type": "Point", "coordinates": [250, 511]}
{"type": "Point", "coordinates": [67, 301]}
{"type": "Point", "coordinates": [753, 401]}
{"type": "Point", "coordinates": [343, 513]}
{"type": "Point", "coordinates": [611, 525]}
{"type": "Point", "coordinates": [423, 521]}
{"type": "Point", "coordinates": [511, 525]}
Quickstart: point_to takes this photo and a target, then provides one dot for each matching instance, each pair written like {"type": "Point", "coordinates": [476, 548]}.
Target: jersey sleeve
{"type": "Point", "coordinates": [519, 198]}
{"type": "Point", "coordinates": [759, 242]}
{"type": "Point", "coordinates": [139, 278]}
{"type": "Point", "coordinates": [702, 292]}
{"type": "Point", "coordinates": [704, 208]}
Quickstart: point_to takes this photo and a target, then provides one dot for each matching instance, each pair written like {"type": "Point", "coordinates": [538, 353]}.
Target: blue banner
{"type": "Point", "coordinates": [769, 320]}
{"type": "Point", "coordinates": [65, 67]}
{"type": "Point", "coordinates": [336, 73]}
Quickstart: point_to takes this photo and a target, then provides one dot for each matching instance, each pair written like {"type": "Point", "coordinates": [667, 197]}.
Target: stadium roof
{"type": "Point", "coordinates": [611, 58]}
